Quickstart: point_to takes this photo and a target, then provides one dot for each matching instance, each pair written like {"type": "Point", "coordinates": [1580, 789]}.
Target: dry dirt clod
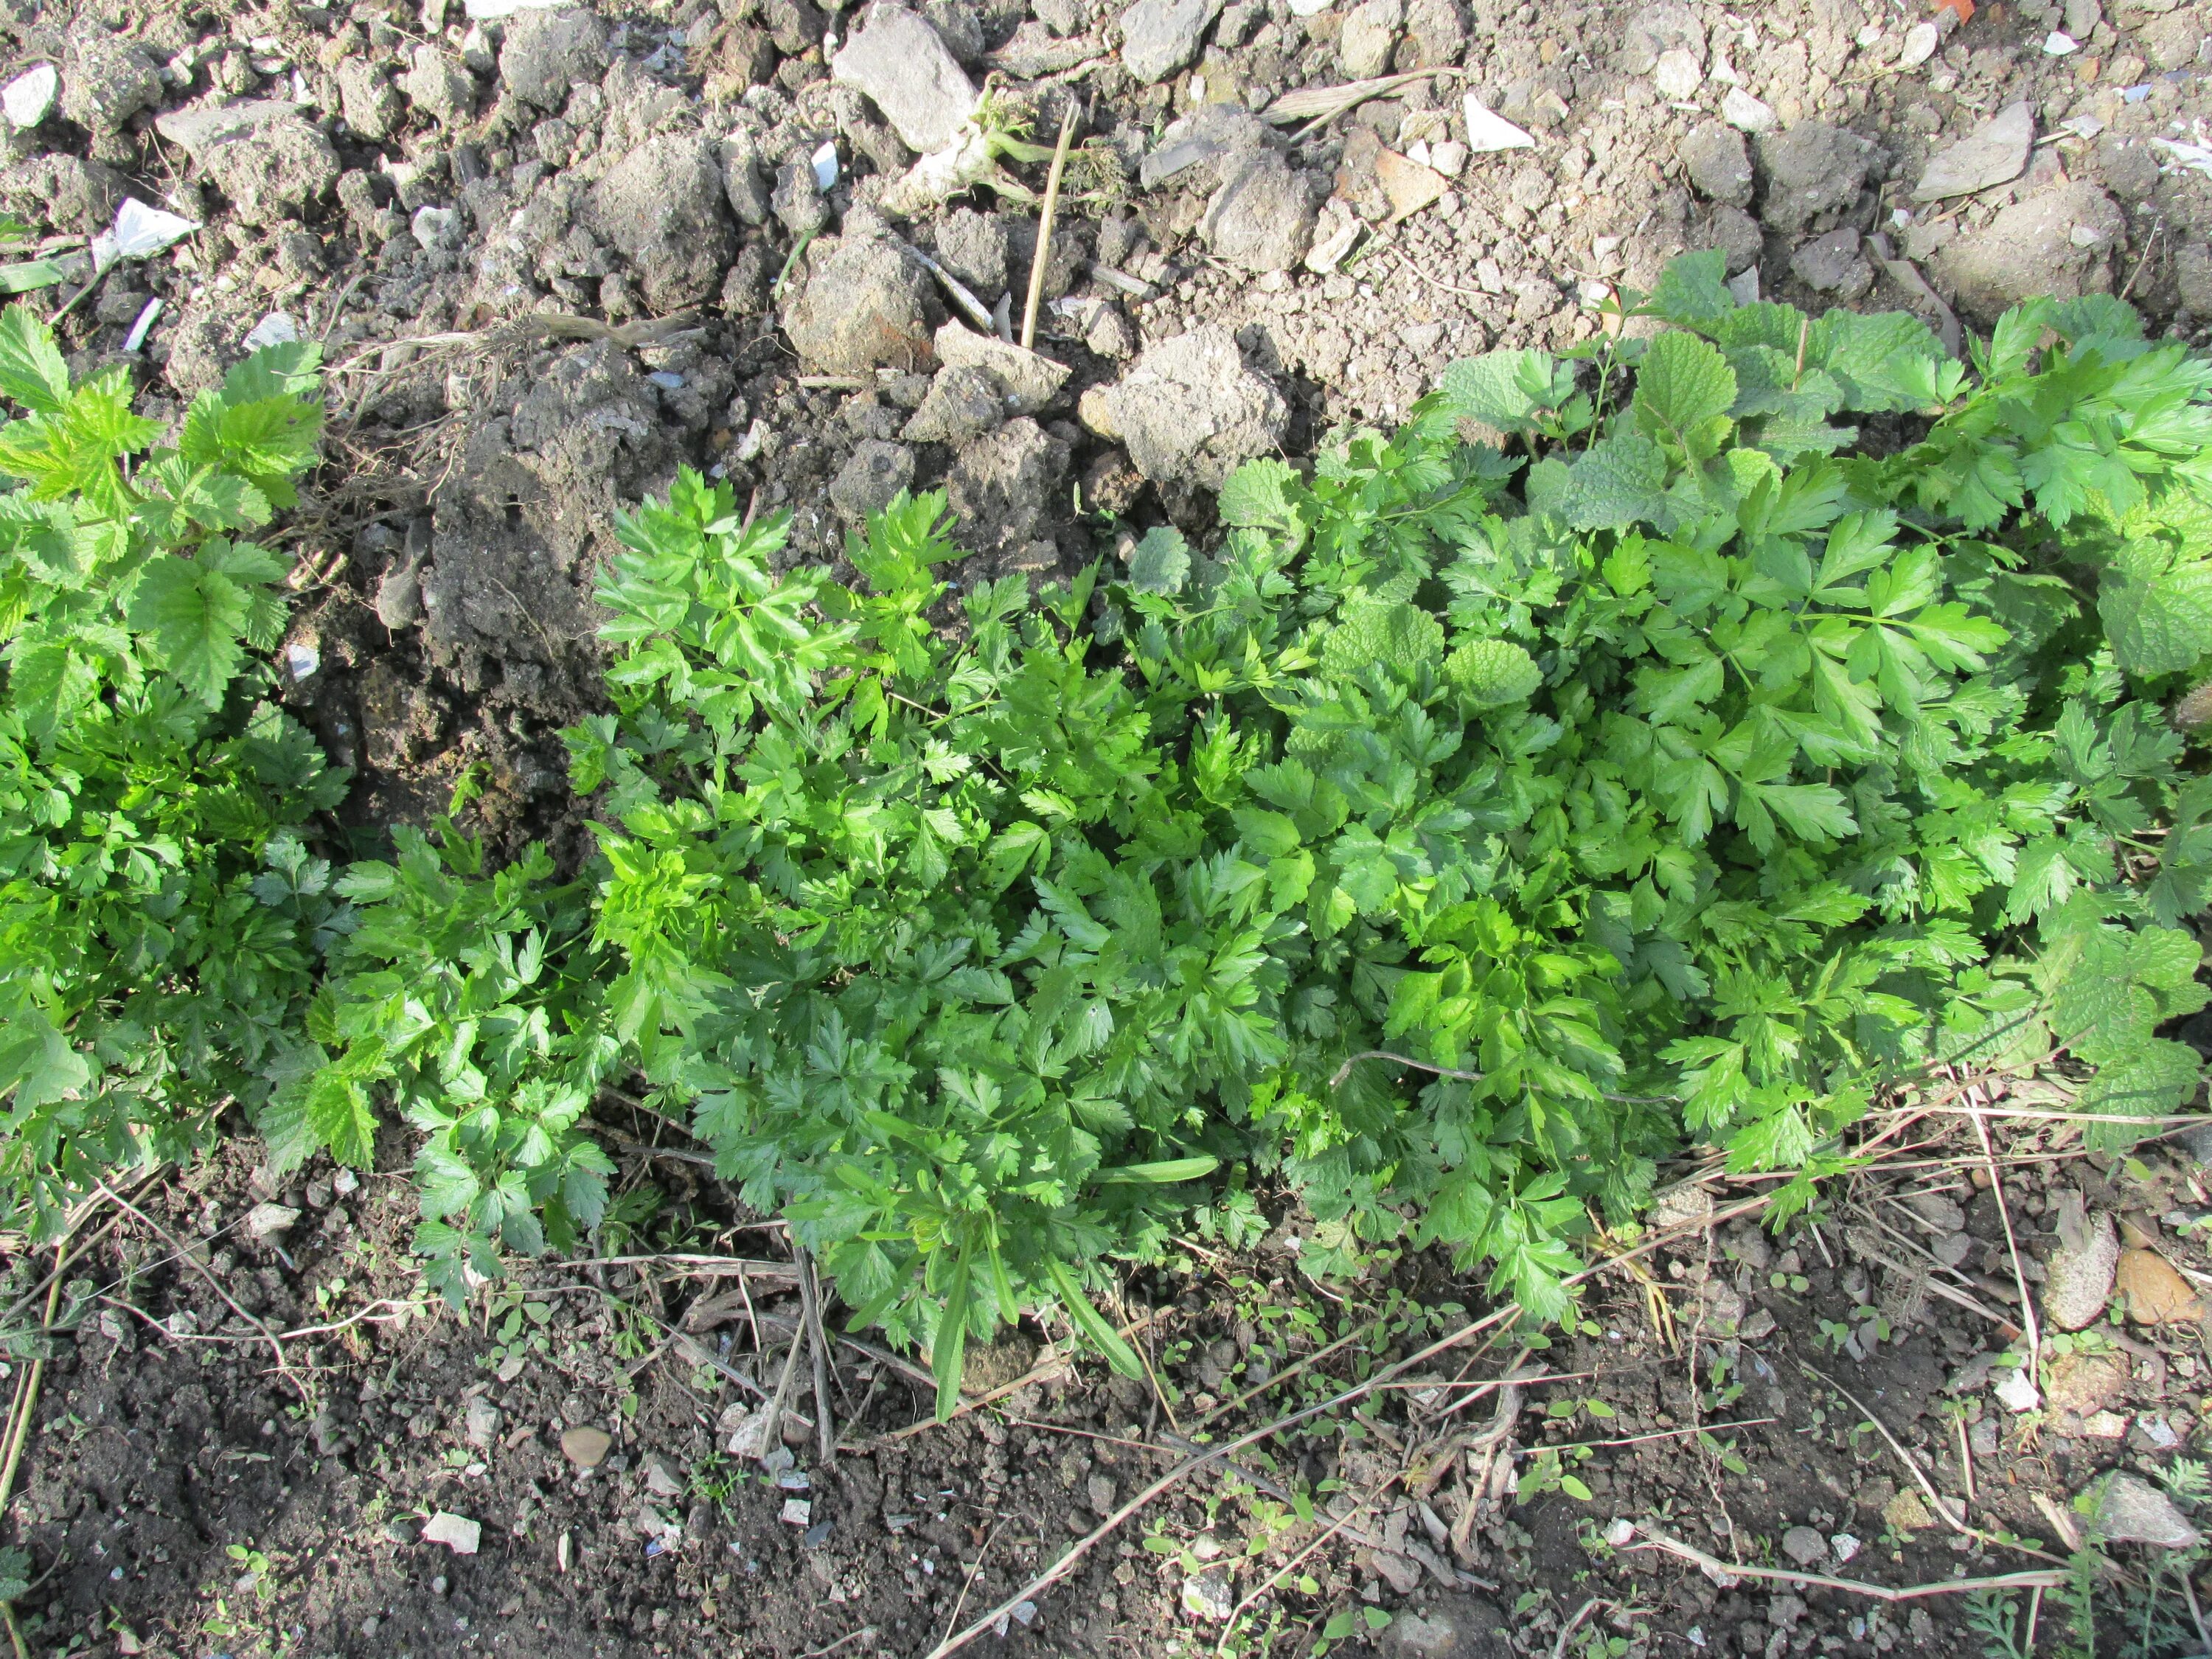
{"type": "Point", "coordinates": [1811, 169]}
{"type": "Point", "coordinates": [2133, 1511]}
{"type": "Point", "coordinates": [1190, 409]}
{"type": "Point", "coordinates": [1717, 163]}
{"type": "Point", "coordinates": [548, 52]}
{"type": "Point", "coordinates": [2084, 1383]}
{"type": "Point", "coordinates": [2080, 1269]}
{"type": "Point", "coordinates": [2058, 242]}
{"type": "Point", "coordinates": [2156, 1294]}
{"type": "Point", "coordinates": [865, 305]}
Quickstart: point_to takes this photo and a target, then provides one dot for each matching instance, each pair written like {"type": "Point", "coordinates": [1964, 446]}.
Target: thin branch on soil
{"type": "Point", "coordinates": [772, 1425]}
{"type": "Point", "coordinates": [2029, 1114]}
{"type": "Point", "coordinates": [26, 1400]}
{"type": "Point", "coordinates": [809, 1298]}
{"type": "Point", "coordinates": [1957, 1522]}
{"type": "Point", "coordinates": [707, 1267]}
{"type": "Point", "coordinates": [400, 1311]}
{"type": "Point", "coordinates": [2027, 1319]}
{"type": "Point", "coordinates": [14, 1636]}
{"type": "Point", "coordinates": [974, 1573]}
{"type": "Point", "coordinates": [1044, 227]}
{"type": "Point", "coordinates": [1660, 1434]}
{"type": "Point", "coordinates": [1568, 1630]}
{"type": "Point", "coordinates": [275, 1344]}
{"type": "Point", "coordinates": [1723, 1572]}
{"type": "Point", "coordinates": [867, 1632]}
{"type": "Point", "coordinates": [1341, 1524]}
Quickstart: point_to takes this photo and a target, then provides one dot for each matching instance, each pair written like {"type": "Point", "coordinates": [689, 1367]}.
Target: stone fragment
{"type": "Point", "coordinates": [368, 100]}
{"type": "Point", "coordinates": [2080, 1273]}
{"type": "Point", "coordinates": [1747, 114]}
{"type": "Point", "coordinates": [1028, 381]}
{"type": "Point", "coordinates": [1262, 216]}
{"type": "Point", "coordinates": [456, 1532]}
{"type": "Point", "coordinates": [438, 86]}
{"type": "Point", "coordinates": [1159, 37]}
{"type": "Point", "coordinates": [275, 171]}
{"type": "Point", "coordinates": [2015, 1390]}
{"type": "Point", "coordinates": [1805, 1546]}
{"type": "Point", "coordinates": [270, 1220]}
{"type": "Point", "coordinates": [2156, 1294]}
{"type": "Point", "coordinates": [1209, 1595]}
{"type": "Point", "coordinates": [904, 67]}
{"type": "Point", "coordinates": [1371, 30]}
{"type": "Point", "coordinates": [1993, 154]}
{"type": "Point", "coordinates": [1677, 75]}
{"type": "Point", "coordinates": [1655, 30]}
{"type": "Point", "coordinates": [876, 470]}
{"type": "Point", "coordinates": [2130, 1511]}
{"type": "Point", "coordinates": [105, 80]}
{"type": "Point", "coordinates": [480, 1423]}
{"type": "Point", "coordinates": [1833, 264]}
{"type": "Point", "coordinates": [2085, 1382]}
{"type": "Point", "coordinates": [585, 1447]}
{"type": "Point", "coordinates": [1409, 185]}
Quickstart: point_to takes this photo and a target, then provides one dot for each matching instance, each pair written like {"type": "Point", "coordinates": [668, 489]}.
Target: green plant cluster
{"type": "Point", "coordinates": [161, 918]}
{"type": "Point", "coordinates": [1624, 753]}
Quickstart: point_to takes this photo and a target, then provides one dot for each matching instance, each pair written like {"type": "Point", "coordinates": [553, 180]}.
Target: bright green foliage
{"type": "Point", "coordinates": [160, 914]}
{"type": "Point", "coordinates": [1710, 788]}
{"type": "Point", "coordinates": [467, 1000]}
{"type": "Point", "coordinates": [1456, 836]}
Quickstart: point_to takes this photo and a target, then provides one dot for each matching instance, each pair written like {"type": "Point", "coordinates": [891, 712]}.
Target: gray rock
{"type": "Point", "coordinates": [1811, 169]}
{"type": "Point", "coordinates": [972, 245]}
{"type": "Point", "coordinates": [1027, 381]}
{"type": "Point", "coordinates": [1371, 31]}
{"type": "Point", "coordinates": [1188, 408]}
{"type": "Point", "coordinates": [275, 171]}
{"type": "Point", "coordinates": [1677, 76]}
{"type": "Point", "coordinates": [865, 305]}
{"type": "Point", "coordinates": [368, 100]}
{"type": "Point", "coordinates": [960, 26]}
{"type": "Point", "coordinates": [2133, 1511]}
{"type": "Point", "coordinates": [1449, 1627]}
{"type": "Point", "coordinates": [662, 1479]}
{"type": "Point", "coordinates": [2082, 16]}
{"type": "Point", "coordinates": [63, 191]}
{"type": "Point", "coordinates": [106, 81]}
{"type": "Point", "coordinates": [1833, 264]}
{"type": "Point", "coordinates": [1062, 17]}
{"type": "Point", "coordinates": [867, 483]}
{"type": "Point", "coordinates": [480, 1423]}
{"type": "Point", "coordinates": [907, 71]}
{"type": "Point", "coordinates": [1994, 153]}
{"type": "Point", "coordinates": [2056, 242]}
{"type": "Point", "coordinates": [1159, 37]}
{"type": "Point", "coordinates": [662, 207]}
{"type": "Point", "coordinates": [1718, 162]}
{"type": "Point", "coordinates": [2078, 1279]}
{"type": "Point", "coordinates": [1805, 1546]}
{"type": "Point", "coordinates": [1008, 487]}
{"type": "Point", "coordinates": [439, 87]}
{"type": "Point", "coordinates": [1262, 216]}
{"type": "Point", "coordinates": [548, 52]}
{"type": "Point", "coordinates": [1209, 1595]}
{"type": "Point", "coordinates": [794, 25]}
{"type": "Point", "coordinates": [1667, 26]}
{"type": "Point", "coordinates": [963, 403]}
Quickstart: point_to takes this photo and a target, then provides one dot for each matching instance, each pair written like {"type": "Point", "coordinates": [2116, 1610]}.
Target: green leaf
{"type": "Point", "coordinates": [1692, 291]}
{"type": "Point", "coordinates": [1503, 389]}
{"type": "Point", "coordinates": [195, 617]}
{"type": "Point", "coordinates": [1164, 1173]}
{"type": "Point", "coordinates": [1087, 1319]}
{"type": "Point", "coordinates": [1617, 482]}
{"type": "Point", "coordinates": [1493, 672]}
{"type": "Point", "coordinates": [1258, 494]}
{"type": "Point", "coordinates": [1160, 564]}
{"type": "Point", "coordinates": [1684, 391]}
{"type": "Point", "coordinates": [949, 1349]}
{"type": "Point", "coordinates": [2157, 610]}
{"type": "Point", "coordinates": [32, 372]}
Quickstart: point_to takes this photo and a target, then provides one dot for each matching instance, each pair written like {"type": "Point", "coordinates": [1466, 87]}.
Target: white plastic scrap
{"type": "Point", "coordinates": [2195, 157]}
{"type": "Point", "coordinates": [2058, 43]}
{"type": "Point", "coordinates": [1488, 131]}
{"type": "Point", "coordinates": [2081, 126]}
{"type": "Point", "coordinates": [29, 98]}
{"type": "Point", "coordinates": [144, 325]}
{"type": "Point", "coordinates": [490, 11]}
{"type": "Point", "coordinates": [140, 233]}
{"type": "Point", "coordinates": [456, 1532]}
{"type": "Point", "coordinates": [825, 166]}
{"type": "Point", "coordinates": [302, 659]}
{"type": "Point", "coordinates": [1920, 43]}
{"type": "Point", "coordinates": [2016, 1391]}
{"type": "Point", "coordinates": [275, 328]}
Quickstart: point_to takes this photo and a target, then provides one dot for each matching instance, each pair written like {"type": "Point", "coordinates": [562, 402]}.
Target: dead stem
{"type": "Point", "coordinates": [1723, 1572]}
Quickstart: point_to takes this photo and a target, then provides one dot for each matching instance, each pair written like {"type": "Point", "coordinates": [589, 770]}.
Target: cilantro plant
{"type": "Point", "coordinates": [160, 913]}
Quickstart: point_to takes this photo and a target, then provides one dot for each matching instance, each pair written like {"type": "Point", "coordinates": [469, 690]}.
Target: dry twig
{"type": "Point", "coordinates": [1724, 1572]}
{"type": "Point", "coordinates": [1044, 227]}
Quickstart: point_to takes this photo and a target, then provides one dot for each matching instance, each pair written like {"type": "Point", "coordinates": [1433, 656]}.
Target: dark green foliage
{"type": "Point", "coordinates": [161, 917]}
